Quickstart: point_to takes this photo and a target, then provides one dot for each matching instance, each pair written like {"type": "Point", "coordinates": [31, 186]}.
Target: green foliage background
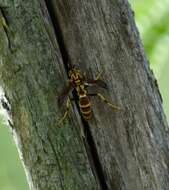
{"type": "Point", "coordinates": [152, 17]}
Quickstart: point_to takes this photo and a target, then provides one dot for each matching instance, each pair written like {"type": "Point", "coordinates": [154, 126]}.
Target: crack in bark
{"type": "Point", "coordinates": [61, 178]}
{"type": "Point", "coordinates": [93, 153]}
{"type": "Point", "coordinates": [58, 34]}
{"type": "Point", "coordinates": [89, 143]}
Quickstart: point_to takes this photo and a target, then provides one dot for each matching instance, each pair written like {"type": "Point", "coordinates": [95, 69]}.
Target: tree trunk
{"type": "Point", "coordinates": [124, 150]}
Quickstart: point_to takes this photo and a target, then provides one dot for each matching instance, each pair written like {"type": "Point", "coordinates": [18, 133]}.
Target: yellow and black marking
{"type": "Point", "coordinates": [85, 107]}
{"type": "Point", "coordinates": [79, 82]}
{"type": "Point", "coordinates": [75, 76]}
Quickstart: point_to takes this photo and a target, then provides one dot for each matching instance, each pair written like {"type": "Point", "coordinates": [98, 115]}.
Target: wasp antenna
{"type": "Point", "coordinates": [69, 65]}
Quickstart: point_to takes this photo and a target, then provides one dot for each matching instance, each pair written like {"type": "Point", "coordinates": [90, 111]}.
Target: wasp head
{"type": "Point", "coordinates": [75, 74]}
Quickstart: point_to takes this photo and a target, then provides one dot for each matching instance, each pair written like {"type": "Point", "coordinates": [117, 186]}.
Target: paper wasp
{"type": "Point", "coordinates": [79, 82]}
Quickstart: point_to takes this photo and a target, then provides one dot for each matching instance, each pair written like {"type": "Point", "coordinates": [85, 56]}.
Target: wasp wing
{"type": "Point", "coordinates": [99, 83]}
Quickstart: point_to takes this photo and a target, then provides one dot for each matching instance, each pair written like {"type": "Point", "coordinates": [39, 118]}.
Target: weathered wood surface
{"type": "Point", "coordinates": [32, 75]}
{"type": "Point", "coordinates": [130, 148]}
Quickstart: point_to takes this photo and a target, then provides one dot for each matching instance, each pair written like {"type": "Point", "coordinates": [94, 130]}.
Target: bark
{"type": "Point", "coordinates": [123, 150]}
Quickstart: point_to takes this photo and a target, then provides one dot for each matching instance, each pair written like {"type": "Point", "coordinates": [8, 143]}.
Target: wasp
{"type": "Point", "coordinates": [78, 82]}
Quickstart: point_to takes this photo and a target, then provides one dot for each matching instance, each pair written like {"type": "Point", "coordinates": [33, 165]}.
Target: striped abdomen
{"type": "Point", "coordinates": [85, 107]}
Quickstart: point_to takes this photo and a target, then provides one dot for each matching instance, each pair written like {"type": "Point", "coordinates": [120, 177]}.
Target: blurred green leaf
{"type": "Point", "coordinates": [152, 18]}
{"type": "Point", "coordinates": [12, 176]}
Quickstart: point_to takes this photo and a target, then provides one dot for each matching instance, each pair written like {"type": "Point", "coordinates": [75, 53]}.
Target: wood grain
{"type": "Point", "coordinates": [122, 150]}
{"type": "Point", "coordinates": [132, 144]}
{"type": "Point", "coordinates": [32, 75]}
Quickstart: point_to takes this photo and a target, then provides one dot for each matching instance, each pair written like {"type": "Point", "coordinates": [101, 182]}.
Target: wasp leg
{"type": "Point", "coordinates": [68, 104]}
{"type": "Point", "coordinates": [106, 101]}
{"type": "Point", "coordinates": [98, 75]}
{"type": "Point", "coordinates": [3, 22]}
